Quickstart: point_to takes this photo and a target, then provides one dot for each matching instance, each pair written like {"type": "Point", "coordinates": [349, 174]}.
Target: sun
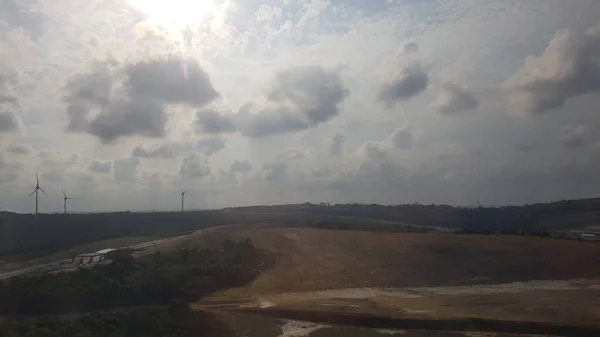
{"type": "Point", "coordinates": [176, 13]}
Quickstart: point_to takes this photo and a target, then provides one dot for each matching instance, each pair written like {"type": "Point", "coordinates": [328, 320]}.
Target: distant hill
{"type": "Point", "coordinates": [21, 236]}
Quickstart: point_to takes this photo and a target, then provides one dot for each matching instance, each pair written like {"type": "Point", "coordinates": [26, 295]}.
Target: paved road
{"type": "Point", "coordinates": [65, 264]}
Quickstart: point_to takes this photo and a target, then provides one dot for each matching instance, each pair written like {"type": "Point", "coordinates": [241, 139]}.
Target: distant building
{"type": "Point", "coordinates": [90, 258]}
{"type": "Point", "coordinates": [589, 237]}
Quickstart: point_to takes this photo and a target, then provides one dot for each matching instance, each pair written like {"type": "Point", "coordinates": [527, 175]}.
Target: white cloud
{"type": "Point", "coordinates": [569, 67]}
{"type": "Point", "coordinates": [268, 13]}
{"type": "Point", "coordinates": [454, 99]}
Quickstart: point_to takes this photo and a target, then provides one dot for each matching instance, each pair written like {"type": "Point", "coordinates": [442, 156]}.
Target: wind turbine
{"type": "Point", "coordinates": [66, 198]}
{"type": "Point", "coordinates": [182, 195]}
{"type": "Point", "coordinates": [37, 188]}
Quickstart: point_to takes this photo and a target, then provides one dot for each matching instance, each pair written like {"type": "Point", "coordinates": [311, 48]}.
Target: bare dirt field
{"type": "Point", "coordinates": [425, 277]}
{"type": "Point", "coordinates": [314, 259]}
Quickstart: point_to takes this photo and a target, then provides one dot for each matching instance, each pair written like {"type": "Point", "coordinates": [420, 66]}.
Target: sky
{"type": "Point", "coordinates": [123, 102]}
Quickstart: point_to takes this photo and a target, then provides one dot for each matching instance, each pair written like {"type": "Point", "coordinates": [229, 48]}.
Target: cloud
{"type": "Point", "coordinates": [453, 99]}
{"type": "Point", "coordinates": [126, 169]}
{"type": "Point", "coordinates": [373, 150]}
{"type": "Point", "coordinates": [164, 151]}
{"type": "Point", "coordinates": [53, 159]}
{"type": "Point", "coordinates": [18, 14]}
{"type": "Point", "coordinates": [267, 13]}
{"type": "Point", "coordinates": [210, 145]}
{"type": "Point", "coordinates": [321, 172]}
{"type": "Point", "coordinates": [300, 98]}
{"type": "Point", "coordinates": [8, 122]}
{"type": "Point", "coordinates": [576, 135]}
{"type": "Point", "coordinates": [242, 167]}
{"type": "Point", "coordinates": [337, 145]}
{"type": "Point", "coordinates": [402, 138]}
{"type": "Point", "coordinates": [408, 78]}
{"type": "Point", "coordinates": [569, 67]}
{"type": "Point", "coordinates": [99, 167]}
{"type": "Point", "coordinates": [275, 171]}
{"type": "Point", "coordinates": [139, 117]}
{"type": "Point", "coordinates": [411, 81]}
{"type": "Point", "coordinates": [172, 80]}
{"type": "Point", "coordinates": [18, 148]}
{"type": "Point", "coordinates": [137, 108]}
{"type": "Point", "coordinates": [194, 166]}
{"type": "Point", "coordinates": [296, 152]}
{"type": "Point", "coordinates": [213, 122]}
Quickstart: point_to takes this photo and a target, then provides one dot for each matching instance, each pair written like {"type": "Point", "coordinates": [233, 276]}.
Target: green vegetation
{"type": "Point", "coordinates": [176, 320]}
{"type": "Point", "coordinates": [153, 280]}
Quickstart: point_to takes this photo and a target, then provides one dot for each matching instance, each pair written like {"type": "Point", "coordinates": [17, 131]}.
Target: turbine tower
{"type": "Point", "coordinates": [182, 196]}
{"type": "Point", "coordinates": [37, 188]}
{"type": "Point", "coordinates": [65, 199]}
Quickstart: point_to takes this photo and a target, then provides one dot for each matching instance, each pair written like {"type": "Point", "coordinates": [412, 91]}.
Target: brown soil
{"type": "Point", "coordinates": [313, 259]}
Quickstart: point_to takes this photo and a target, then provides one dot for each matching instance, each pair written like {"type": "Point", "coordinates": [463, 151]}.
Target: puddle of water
{"type": "Point", "coordinates": [265, 304]}
{"type": "Point", "coordinates": [415, 311]}
{"type": "Point", "coordinates": [292, 328]}
{"type": "Point", "coordinates": [391, 331]}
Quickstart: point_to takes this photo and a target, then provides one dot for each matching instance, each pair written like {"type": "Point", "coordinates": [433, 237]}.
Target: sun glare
{"type": "Point", "coordinates": [176, 13]}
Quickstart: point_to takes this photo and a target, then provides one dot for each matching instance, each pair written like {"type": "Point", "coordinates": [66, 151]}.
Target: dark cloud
{"type": "Point", "coordinates": [453, 99]}
{"type": "Point", "coordinates": [271, 122]}
{"type": "Point", "coordinates": [94, 87]}
{"type": "Point", "coordinates": [8, 122]}
{"type": "Point", "coordinates": [164, 150]}
{"type": "Point", "coordinates": [172, 80]}
{"type": "Point", "coordinates": [411, 47]}
{"type": "Point", "coordinates": [99, 167]}
{"type": "Point", "coordinates": [126, 169]}
{"type": "Point", "coordinates": [18, 148]}
{"type": "Point", "coordinates": [210, 145]}
{"type": "Point", "coordinates": [275, 171]}
{"type": "Point", "coordinates": [213, 122]}
{"type": "Point", "coordinates": [337, 145]}
{"type": "Point", "coordinates": [411, 81]}
{"type": "Point", "coordinates": [569, 67]}
{"type": "Point", "coordinates": [78, 117]}
{"type": "Point", "coordinates": [373, 150]}
{"type": "Point", "coordinates": [301, 98]}
{"type": "Point", "coordinates": [242, 167]}
{"type": "Point", "coordinates": [139, 117]}
{"type": "Point", "coordinates": [403, 138]}
{"type": "Point", "coordinates": [138, 108]}
{"type": "Point", "coordinates": [194, 166]}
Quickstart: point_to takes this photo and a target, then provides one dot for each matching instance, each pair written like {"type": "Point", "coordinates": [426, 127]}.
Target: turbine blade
{"type": "Point", "coordinates": [30, 194]}
{"type": "Point", "coordinates": [43, 191]}
{"type": "Point", "coordinates": [37, 179]}
{"type": "Point", "coordinates": [64, 193]}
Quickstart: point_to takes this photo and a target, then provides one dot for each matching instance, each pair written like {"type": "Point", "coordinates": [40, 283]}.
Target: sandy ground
{"type": "Point", "coordinates": [572, 302]}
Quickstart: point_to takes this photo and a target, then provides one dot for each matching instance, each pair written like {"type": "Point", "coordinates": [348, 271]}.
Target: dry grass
{"type": "Point", "coordinates": [313, 259]}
